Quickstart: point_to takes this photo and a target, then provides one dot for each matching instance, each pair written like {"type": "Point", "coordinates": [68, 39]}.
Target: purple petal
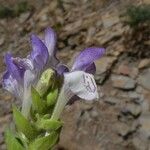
{"type": "Point", "coordinates": [15, 71]}
{"type": "Point", "coordinates": [91, 69]}
{"type": "Point", "coordinates": [39, 55]}
{"type": "Point", "coordinates": [50, 41]}
{"type": "Point", "coordinates": [24, 63]}
{"type": "Point", "coordinates": [61, 69]}
{"type": "Point", "coordinates": [11, 85]}
{"type": "Point", "coordinates": [87, 57]}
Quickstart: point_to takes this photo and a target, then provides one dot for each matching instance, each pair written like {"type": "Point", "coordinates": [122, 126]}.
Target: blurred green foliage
{"type": "Point", "coordinates": [138, 14]}
{"type": "Point", "coordinates": [20, 7]}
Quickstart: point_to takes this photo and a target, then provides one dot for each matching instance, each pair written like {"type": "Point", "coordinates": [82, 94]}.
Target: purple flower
{"type": "Point", "coordinates": [79, 81]}
{"type": "Point", "coordinates": [22, 73]}
{"type": "Point", "coordinates": [81, 73]}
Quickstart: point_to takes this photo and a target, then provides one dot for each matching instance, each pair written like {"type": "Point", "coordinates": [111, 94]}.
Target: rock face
{"type": "Point", "coordinates": [123, 82]}
{"type": "Point", "coordinates": [144, 79]}
{"type": "Point", "coordinates": [144, 121]}
{"type": "Point", "coordinates": [144, 63]}
{"type": "Point", "coordinates": [109, 20]}
{"type": "Point", "coordinates": [132, 109]}
{"type": "Point", "coordinates": [128, 71]}
{"type": "Point", "coordinates": [103, 66]}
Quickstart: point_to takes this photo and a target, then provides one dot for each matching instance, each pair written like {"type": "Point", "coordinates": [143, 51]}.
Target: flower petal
{"type": "Point", "coordinates": [24, 63]}
{"type": "Point", "coordinates": [15, 71]}
{"type": "Point", "coordinates": [91, 69]}
{"type": "Point", "coordinates": [11, 85]}
{"type": "Point", "coordinates": [50, 41]}
{"type": "Point", "coordinates": [39, 55]}
{"type": "Point", "coordinates": [81, 84]}
{"type": "Point", "coordinates": [29, 79]}
{"type": "Point", "coordinates": [61, 69]}
{"type": "Point", "coordinates": [87, 57]}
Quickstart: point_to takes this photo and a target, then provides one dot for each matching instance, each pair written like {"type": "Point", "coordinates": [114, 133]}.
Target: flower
{"type": "Point", "coordinates": [79, 81]}
{"type": "Point", "coordinates": [21, 74]}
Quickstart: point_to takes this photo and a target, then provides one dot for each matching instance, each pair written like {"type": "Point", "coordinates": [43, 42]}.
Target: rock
{"type": "Point", "coordinates": [146, 2]}
{"type": "Point", "coordinates": [139, 89]}
{"type": "Point", "coordinates": [144, 63]}
{"type": "Point", "coordinates": [2, 40]}
{"type": "Point", "coordinates": [140, 143]}
{"type": "Point", "coordinates": [23, 17]}
{"type": "Point", "coordinates": [135, 97]}
{"type": "Point", "coordinates": [100, 79]}
{"type": "Point", "coordinates": [109, 36]}
{"type": "Point", "coordinates": [132, 109]}
{"type": "Point", "coordinates": [123, 82]}
{"type": "Point", "coordinates": [111, 100]}
{"type": "Point", "coordinates": [90, 34]}
{"type": "Point", "coordinates": [144, 121]}
{"type": "Point", "coordinates": [123, 129]}
{"type": "Point", "coordinates": [73, 27]}
{"type": "Point", "coordinates": [109, 20]}
{"type": "Point", "coordinates": [145, 106]}
{"type": "Point", "coordinates": [123, 69]}
{"type": "Point", "coordinates": [126, 70]}
{"type": "Point", "coordinates": [103, 66]}
{"type": "Point", "coordinates": [144, 79]}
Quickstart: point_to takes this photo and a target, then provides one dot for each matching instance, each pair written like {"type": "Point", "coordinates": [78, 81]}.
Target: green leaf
{"type": "Point", "coordinates": [52, 97]}
{"type": "Point", "coordinates": [23, 125]}
{"type": "Point", "coordinates": [11, 142]}
{"type": "Point", "coordinates": [44, 143]}
{"type": "Point", "coordinates": [38, 104]}
{"type": "Point", "coordinates": [48, 124]}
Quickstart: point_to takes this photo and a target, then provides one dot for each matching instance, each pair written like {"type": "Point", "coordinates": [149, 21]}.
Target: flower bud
{"type": "Point", "coordinates": [46, 81]}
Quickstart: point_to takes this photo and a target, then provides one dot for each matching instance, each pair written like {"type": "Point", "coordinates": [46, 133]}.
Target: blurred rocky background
{"type": "Point", "coordinates": [120, 120]}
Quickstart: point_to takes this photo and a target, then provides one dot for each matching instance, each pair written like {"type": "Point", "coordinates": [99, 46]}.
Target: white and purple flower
{"type": "Point", "coordinates": [21, 74]}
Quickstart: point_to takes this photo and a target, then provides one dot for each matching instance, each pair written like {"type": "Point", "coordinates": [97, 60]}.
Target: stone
{"type": "Point", "coordinates": [109, 36]}
{"type": "Point", "coordinates": [109, 20]}
{"type": "Point", "coordinates": [23, 17]}
{"type": "Point", "coordinates": [140, 143]}
{"type": "Point", "coordinates": [135, 97]}
{"type": "Point", "coordinates": [2, 40]}
{"type": "Point", "coordinates": [127, 70]}
{"type": "Point", "coordinates": [144, 63]}
{"type": "Point", "coordinates": [145, 106]}
{"type": "Point", "coordinates": [103, 64]}
{"type": "Point", "coordinates": [132, 109]}
{"type": "Point", "coordinates": [90, 34]}
{"type": "Point", "coordinates": [144, 79]}
{"type": "Point", "coordinates": [123, 129]}
{"type": "Point", "coordinates": [123, 69]}
{"type": "Point", "coordinates": [103, 67]}
{"type": "Point", "coordinates": [123, 82]}
{"type": "Point", "coordinates": [146, 2]}
{"type": "Point", "coordinates": [111, 100]}
{"type": "Point", "coordinates": [144, 121]}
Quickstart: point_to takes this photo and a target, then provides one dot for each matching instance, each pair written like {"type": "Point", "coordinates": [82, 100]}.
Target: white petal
{"type": "Point", "coordinates": [29, 79]}
{"type": "Point", "coordinates": [13, 87]}
{"type": "Point", "coordinates": [81, 84]}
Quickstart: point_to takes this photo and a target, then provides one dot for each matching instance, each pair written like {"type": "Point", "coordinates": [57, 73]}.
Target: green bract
{"type": "Point", "coordinates": [37, 131]}
{"type": "Point", "coordinates": [46, 81]}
